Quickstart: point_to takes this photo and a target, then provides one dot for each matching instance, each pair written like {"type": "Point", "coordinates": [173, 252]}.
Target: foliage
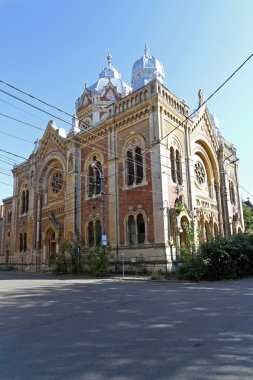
{"type": "Point", "coordinates": [192, 266]}
{"type": "Point", "coordinates": [70, 258]}
{"type": "Point", "coordinates": [98, 259]}
{"type": "Point", "coordinates": [228, 257]}
{"type": "Point", "coordinates": [139, 264]}
{"type": "Point", "coordinates": [189, 248]}
{"type": "Point", "coordinates": [248, 218]}
{"type": "Point", "coordinates": [155, 276]}
{"type": "Point", "coordinates": [180, 207]}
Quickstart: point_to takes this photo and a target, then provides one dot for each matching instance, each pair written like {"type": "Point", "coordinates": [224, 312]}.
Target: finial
{"type": "Point", "coordinates": [109, 58]}
{"type": "Point", "coordinates": [146, 50]}
{"type": "Point", "coordinates": [201, 97]}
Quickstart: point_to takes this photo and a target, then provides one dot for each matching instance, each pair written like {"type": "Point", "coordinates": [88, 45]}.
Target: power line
{"type": "Point", "coordinates": [209, 97]}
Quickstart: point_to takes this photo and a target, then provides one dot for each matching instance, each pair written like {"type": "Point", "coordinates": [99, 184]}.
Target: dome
{"type": "Point", "coordinates": [110, 74]}
{"type": "Point", "coordinates": [146, 69]}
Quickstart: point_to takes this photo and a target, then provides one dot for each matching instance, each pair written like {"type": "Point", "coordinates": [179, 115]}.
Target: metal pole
{"type": "Point", "coordinates": [117, 216]}
{"type": "Point", "coordinates": [102, 201]}
{"type": "Point", "coordinates": [123, 265]}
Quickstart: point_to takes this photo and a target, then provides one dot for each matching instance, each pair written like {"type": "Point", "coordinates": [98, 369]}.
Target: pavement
{"type": "Point", "coordinates": [67, 327]}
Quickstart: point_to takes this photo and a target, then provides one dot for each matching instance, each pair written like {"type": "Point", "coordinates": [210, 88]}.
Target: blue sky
{"type": "Point", "coordinates": [52, 48]}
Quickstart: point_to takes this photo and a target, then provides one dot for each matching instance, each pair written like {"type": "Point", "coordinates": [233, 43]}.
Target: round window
{"type": "Point", "coordinates": [200, 173]}
{"type": "Point", "coordinates": [57, 181]}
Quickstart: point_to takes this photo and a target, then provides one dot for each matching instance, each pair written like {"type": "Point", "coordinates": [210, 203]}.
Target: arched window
{"type": "Point", "coordinates": [130, 168]}
{"type": "Point", "coordinates": [139, 164]}
{"type": "Point", "coordinates": [216, 231]}
{"type": "Point", "coordinates": [91, 181]}
{"type": "Point", "coordinates": [94, 178]}
{"type": "Point", "coordinates": [98, 232]}
{"type": "Point", "coordinates": [134, 166]}
{"type": "Point", "coordinates": [25, 242]}
{"type": "Point", "coordinates": [179, 168]}
{"type": "Point", "coordinates": [91, 234]}
{"type": "Point", "coordinates": [9, 215]}
{"type": "Point", "coordinates": [26, 200]}
{"type": "Point", "coordinates": [20, 242]}
{"type": "Point", "coordinates": [140, 228]}
{"type": "Point", "coordinates": [23, 202]}
{"type": "Point", "coordinates": [94, 233]}
{"type": "Point", "coordinates": [131, 230]}
{"type": "Point", "coordinates": [172, 164]}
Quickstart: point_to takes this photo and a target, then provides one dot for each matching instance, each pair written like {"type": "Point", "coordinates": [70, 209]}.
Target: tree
{"type": "Point", "coordinates": [248, 218]}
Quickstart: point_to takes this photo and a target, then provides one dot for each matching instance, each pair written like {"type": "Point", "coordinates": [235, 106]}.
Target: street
{"type": "Point", "coordinates": [66, 327]}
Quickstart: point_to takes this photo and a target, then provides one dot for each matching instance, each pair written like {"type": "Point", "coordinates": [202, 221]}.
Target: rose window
{"type": "Point", "coordinates": [199, 173]}
{"type": "Point", "coordinates": [57, 182]}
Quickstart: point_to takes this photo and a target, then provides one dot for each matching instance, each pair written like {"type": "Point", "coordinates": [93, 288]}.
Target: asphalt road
{"type": "Point", "coordinates": [73, 328]}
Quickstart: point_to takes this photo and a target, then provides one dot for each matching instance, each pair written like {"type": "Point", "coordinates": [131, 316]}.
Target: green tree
{"type": "Point", "coordinates": [248, 218]}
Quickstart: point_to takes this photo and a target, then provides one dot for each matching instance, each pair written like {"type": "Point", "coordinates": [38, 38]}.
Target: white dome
{"type": "Point", "coordinates": [110, 74]}
{"type": "Point", "coordinates": [146, 69]}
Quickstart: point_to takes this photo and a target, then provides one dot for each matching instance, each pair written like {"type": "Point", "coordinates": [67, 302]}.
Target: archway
{"type": "Point", "coordinates": [184, 222]}
{"type": "Point", "coordinates": [51, 246]}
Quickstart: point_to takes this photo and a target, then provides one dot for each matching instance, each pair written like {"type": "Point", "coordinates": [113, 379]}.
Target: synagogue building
{"type": "Point", "coordinates": [136, 166]}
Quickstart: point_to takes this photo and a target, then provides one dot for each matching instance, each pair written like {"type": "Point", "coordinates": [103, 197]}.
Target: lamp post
{"type": "Point", "coordinates": [101, 176]}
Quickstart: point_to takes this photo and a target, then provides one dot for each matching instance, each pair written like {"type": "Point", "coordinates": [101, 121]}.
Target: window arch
{"type": "Point", "coordinates": [25, 242]}
{"type": "Point", "coordinates": [136, 229]}
{"type": "Point", "coordinates": [140, 229]}
{"type": "Point", "coordinates": [94, 177]}
{"type": "Point", "coordinates": [176, 163]}
{"type": "Point", "coordinates": [9, 216]}
{"type": "Point", "coordinates": [94, 232]}
{"type": "Point", "coordinates": [24, 200]}
{"type": "Point", "coordinates": [179, 168]}
{"type": "Point", "coordinates": [131, 230]}
{"type": "Point", "coordinates": [98, 232]}
{"type": "Point", "coordinates": [20, 242]}
{"type": "Point", "coordinates": [134, 165]}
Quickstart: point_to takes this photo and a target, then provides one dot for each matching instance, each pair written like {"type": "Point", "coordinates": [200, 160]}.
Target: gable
{"type": "Point", "coordinates": [202, 126]}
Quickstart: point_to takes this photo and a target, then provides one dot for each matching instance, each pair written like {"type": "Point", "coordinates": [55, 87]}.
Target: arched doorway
{"type": "Point", "coordinates": [184, 222]}
{"type": "Point", "coordinates": [51, 246]}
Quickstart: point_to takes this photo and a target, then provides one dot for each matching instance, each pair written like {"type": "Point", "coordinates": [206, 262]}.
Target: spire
{"type": "Point", "coordinates": [109, 59]}
{"type": "Point", "coordinates": [146, 50]}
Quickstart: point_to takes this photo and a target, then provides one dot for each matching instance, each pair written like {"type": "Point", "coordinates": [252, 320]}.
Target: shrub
{"type": "Point", "coordinates": [98, 259]}
{"type": "Point", "coordinates": [228, 257]}
{"type": "Point", "coordinates": [156, 276]}
{"type": "Point", "coordinates": [70, 258]}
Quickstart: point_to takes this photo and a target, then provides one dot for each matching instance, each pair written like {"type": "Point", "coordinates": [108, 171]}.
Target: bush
{"type": "Point", "coordinates": [228, 257]}
{"type": "Point", "coordinates": [193, 269]}
{"type": "Point", "coordinates": [98, 259]}
{"type": "Point", "coordinates": [70, 258]}
{"type": "Point", "coordinates": [156, 276]}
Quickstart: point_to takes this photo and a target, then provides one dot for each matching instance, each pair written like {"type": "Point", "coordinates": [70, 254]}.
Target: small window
{"type": "Point", "coordinates": [20, 242]}
{"type": "Point", "coordinates": [134, 166]}
{"type": "Point", "coordinates": [131, 230]}
{"type": "Point", "coordinates": [25, 242]}
{"type": "Point", "coordinates": [91, 234]}
{"type": "Point", "coordinates": [98, 232]}
{"type": "Point", "coordinates": [172, 164]}
{"type": "Point", "coordinates": [94, 178]}
{"type": "Point", "coordinates": [140, 228]}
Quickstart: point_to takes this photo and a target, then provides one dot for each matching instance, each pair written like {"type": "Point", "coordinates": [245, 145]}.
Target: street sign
{"type": "Point", "coordinates": [104, 240]}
